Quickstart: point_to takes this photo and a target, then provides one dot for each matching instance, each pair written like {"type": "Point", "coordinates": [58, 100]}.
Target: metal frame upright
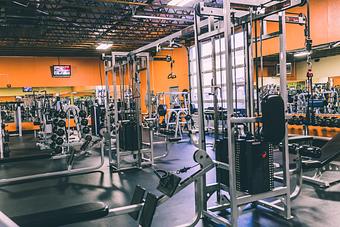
{"type": "Point", "coordinates": [238, 199]}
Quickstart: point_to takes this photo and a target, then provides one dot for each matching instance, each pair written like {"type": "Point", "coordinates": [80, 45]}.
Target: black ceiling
{"type": "Point", "coordinates": [75, 27]}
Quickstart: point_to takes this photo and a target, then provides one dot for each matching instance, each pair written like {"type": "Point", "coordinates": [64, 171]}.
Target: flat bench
{"type": "Point", "coordinates": [63, 216]}
{"type": "Point", "coordinates": [142, 209]}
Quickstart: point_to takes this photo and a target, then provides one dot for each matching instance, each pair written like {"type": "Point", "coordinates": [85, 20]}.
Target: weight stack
{"type": "Point", "coordinates": [221, 148]}
{"type": "Point", "coordinates": [241, 165]}
{"type": "Point", "coordinates": [128, 136]}
{"type": "Point", "coordinates": [257, 173]}
{"type": "Point", "coordinates": [254, 165]}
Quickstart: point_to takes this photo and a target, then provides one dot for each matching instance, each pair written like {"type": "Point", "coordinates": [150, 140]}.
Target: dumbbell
{"type": "Point", "coordinates": [82, 113]}
{"type": "Point", "coordinates": [295, 120]}
{"type": "Point", "coordinates": [59, 141]}
{"type": "Point", "coordinates": [84, 122]}
{"type": "Point", "coordinates": [317, 121]}
{"type": "Point", "coordinates": [62, 114]}
{"type": "Point", "coordinates": [55, 121]}
{"type": "Point", "coordinates": [301, 120]}
{"type": "Point", "coordinates": [327, 122]}
{"type": "Point", "coordinates": [86, 130]}
{"type": "Point", "coordinates": [58, 150]}
{"type": "Point", "coordinates": [338, 123]}
{"type": "Point", "coordinates": [53, 137]}
{"type": "Point", "coordinates": [310, 151]}
{"type": "Point", "coordinates": [61, 123]}
{"type": "Point", "coordinates": [291, 121]}
{"type": "Point", "coordinates": [60, 132]}
{"type": "Point", "coordinates": [322, 122]}
{"type": "Point", "coordinates": [53, 145]}
{"type": "Point", "coordinates": [334, 122]}
{"type": "Point", "coordinates": [55, 114]}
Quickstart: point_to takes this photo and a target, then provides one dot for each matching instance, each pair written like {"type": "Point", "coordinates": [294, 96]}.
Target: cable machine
{"type": "Point", "coordinates": [123, 111]}
{"type": "Point", "coordinates": [232, 186]}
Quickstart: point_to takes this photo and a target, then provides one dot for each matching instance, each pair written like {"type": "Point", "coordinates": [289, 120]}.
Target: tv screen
{"type": "Point", "coordinates": [61, 70]}
{"type": "Point", "coordinates": [27, 89]}
{"type": "Point", "coordinates": [288, 69]}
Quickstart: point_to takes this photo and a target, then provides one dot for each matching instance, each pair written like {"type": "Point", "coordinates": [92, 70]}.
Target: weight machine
{"type": "Point", "coordinates": [124, 132]}
{"type": "Point", "coordinates": [175, 113]}
{"type": "Point", "coordinates": [225, 23]}
{"type": "Point", "coordinates": [13, 115]}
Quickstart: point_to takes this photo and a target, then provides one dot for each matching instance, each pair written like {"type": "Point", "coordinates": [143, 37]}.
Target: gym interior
{"type": "Point", "coordinates": [169, 113]}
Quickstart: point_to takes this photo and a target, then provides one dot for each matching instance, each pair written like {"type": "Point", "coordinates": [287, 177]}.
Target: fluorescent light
{"type": "Point", "coordinates": [104, 46]}
{"type": "Point", "coordinates": [302, 54]}
{"type": "Point", "coordinates": [336, 44]}
{"type": "Point", "coordinates": [161, 18]}
{"type": "Point", "coordinates": [179, 2]}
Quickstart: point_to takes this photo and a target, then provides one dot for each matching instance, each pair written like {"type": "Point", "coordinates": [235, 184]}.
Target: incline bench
{"type": "Point", "coordinates": [329, 153]}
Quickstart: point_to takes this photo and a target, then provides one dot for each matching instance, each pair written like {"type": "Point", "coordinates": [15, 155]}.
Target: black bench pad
{"type": "Point", "coordinates": [329, 152]}
{"type": "Point", "coordinates": [39, 155]}
{"type": "Point", "coordinates": [63, 216]}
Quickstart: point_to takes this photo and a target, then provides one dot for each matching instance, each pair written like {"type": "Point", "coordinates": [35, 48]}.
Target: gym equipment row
{"type": "Point", "coordinates": [322, 121]}
{"type": "Point", "coordinates": [323, 98]}
{"type": "Point", "coordinates": [58, 140]}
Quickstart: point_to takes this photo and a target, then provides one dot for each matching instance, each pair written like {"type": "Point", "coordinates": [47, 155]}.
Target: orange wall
{"type": "Point", "coordinates": [324, 27]}
{"type": "Point", "coordinates": [159, 71]}
{"type": "Point", "coordinates": [35, 71]}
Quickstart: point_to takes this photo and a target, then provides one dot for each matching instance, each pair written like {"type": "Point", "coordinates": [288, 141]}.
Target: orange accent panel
{"type": "Point", "coordinates": [314, 130]}
{"type": "Point", "coordinates": [36, 72]}
{"type": "Point", "coordinates": [160, 70]}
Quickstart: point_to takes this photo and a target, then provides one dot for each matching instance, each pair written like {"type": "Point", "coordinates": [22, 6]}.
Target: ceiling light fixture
{"type": "Point", "coordinates": [336, 44]}
{"type": "Point", "coordinates": [179, 2]}
{"type": "Point", "coordinates": [161, 18]}
{"type": "Point", "coordinates": [302, 54]}
{"type": "Point", "coordinates": [104, 46]}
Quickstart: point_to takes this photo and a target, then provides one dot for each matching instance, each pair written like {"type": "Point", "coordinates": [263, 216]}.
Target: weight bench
{"type": "Point", "coordinates": [329, 153]}
{"type": "Point", "coordinates": [38, 155]}
{"type": "Point", "coordinates": [64, 216]}
{"type": "Point", "coordinates": [325, 162]}
{"type": "Point", "coordinates": [142, 209]}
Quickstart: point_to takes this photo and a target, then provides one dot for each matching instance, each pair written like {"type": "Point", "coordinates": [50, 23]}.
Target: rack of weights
{"type": "Point", "coordinates": [84, 129]}
{"type": "Point", "coordinates": [322, 121]}
{"type": "Point", "coordinates": [59, 132]}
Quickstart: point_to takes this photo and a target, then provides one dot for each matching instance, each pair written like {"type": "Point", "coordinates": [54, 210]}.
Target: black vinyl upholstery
{"type": "Point", "coordinates": [63, 216]}
{"type": "Point", "coordinates": [329, 152]}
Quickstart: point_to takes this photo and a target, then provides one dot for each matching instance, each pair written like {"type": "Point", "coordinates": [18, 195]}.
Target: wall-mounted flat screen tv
{"type": "Point", "coordinates": [27, 89]}
{"type": "Point", "coordinates": [61, 70]}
